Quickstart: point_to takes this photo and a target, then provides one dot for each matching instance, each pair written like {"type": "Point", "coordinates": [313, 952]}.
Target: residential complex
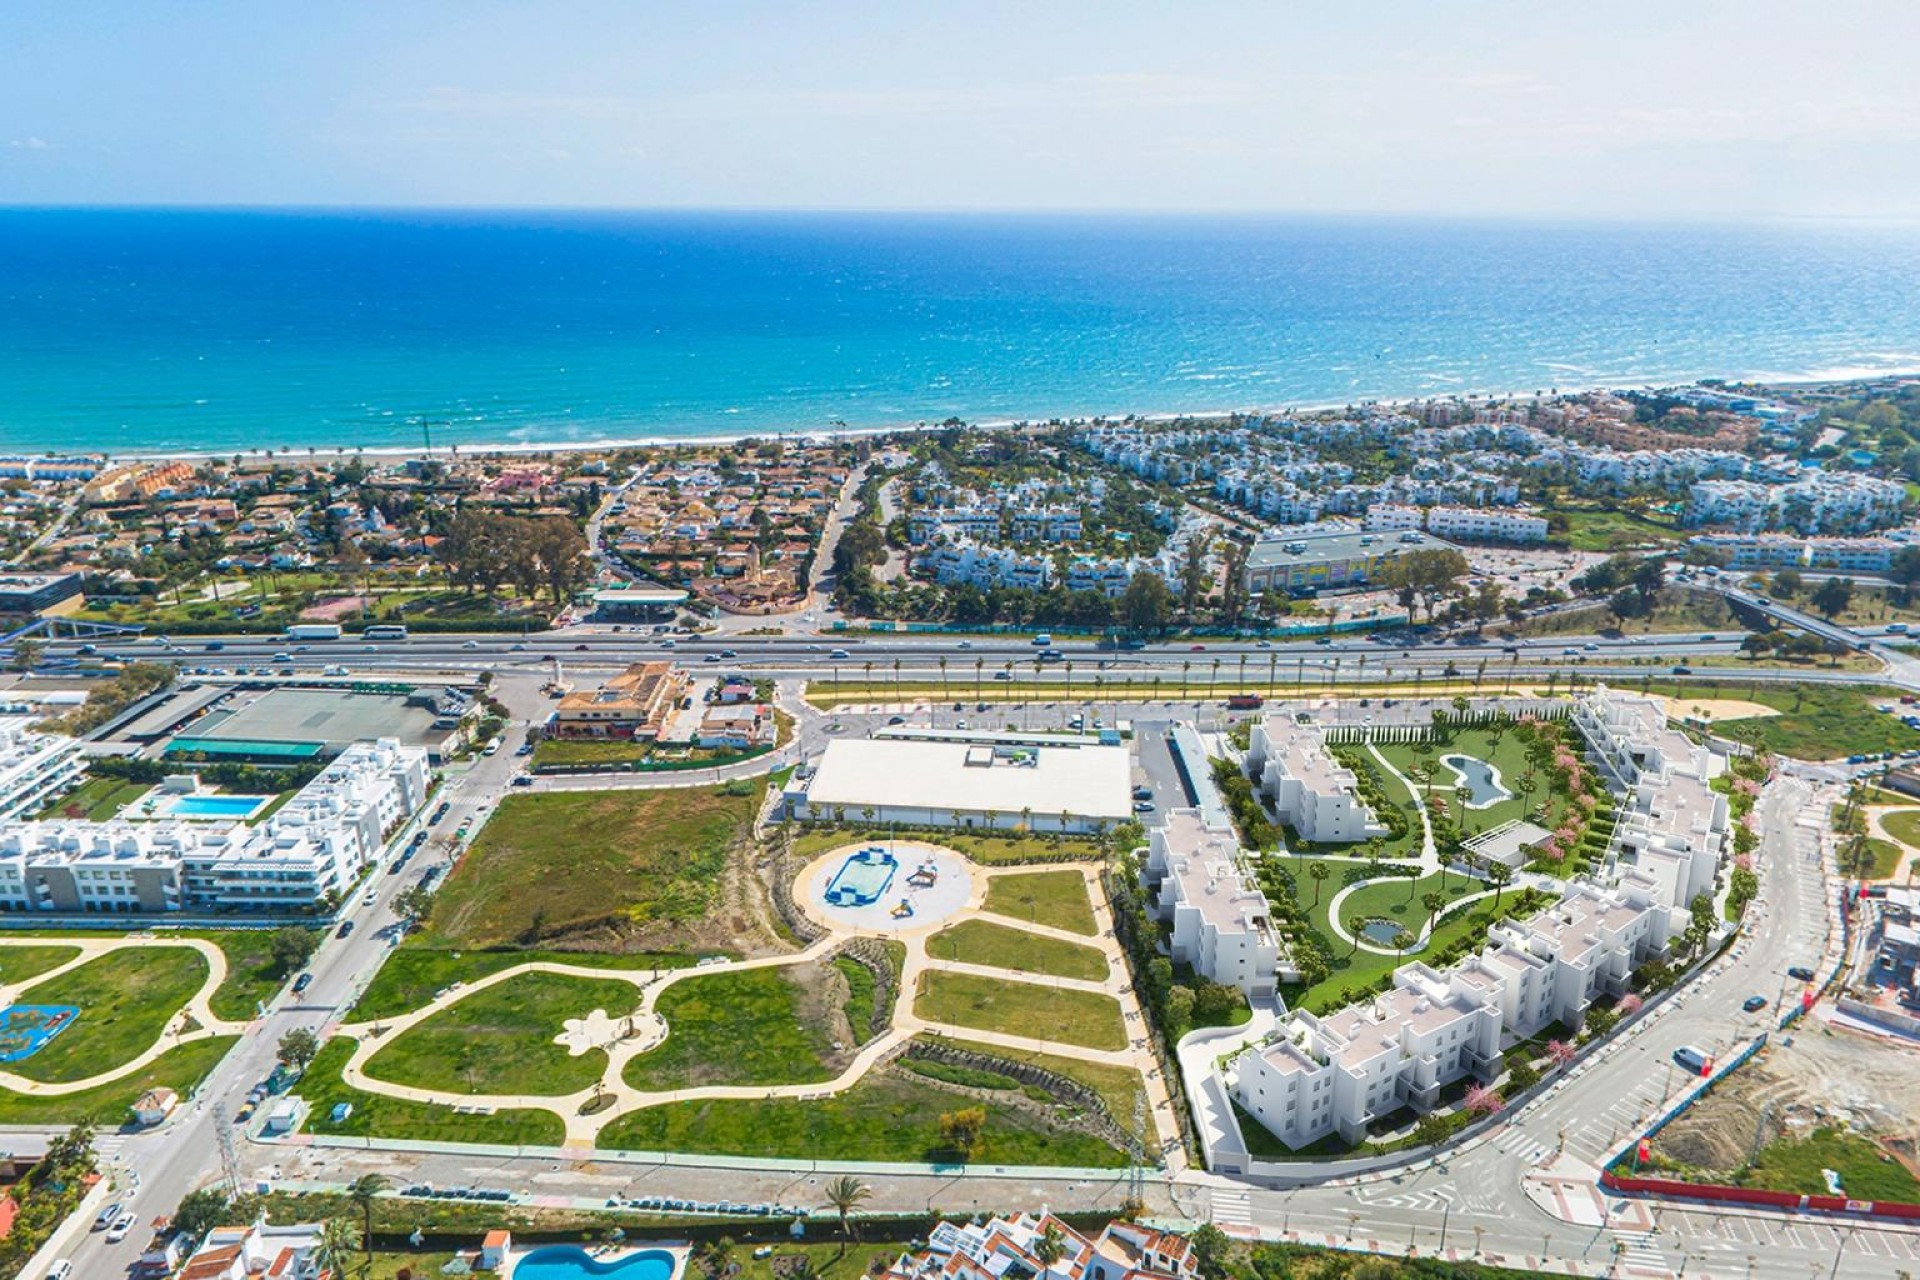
{"type": "Point", "coordinates": [35, 768]}
{"type": "Point", "coordinates": [1005, 1248]}
{"type": "Point", "coordinates": [1313, 793]}
{"type": "Point", "coordinates": [1461, 524]}
{"type": "Point", "coordinates": [295, 861]}
{"type": "Point", "coordinates": [1221, 925]}
{"type": "Point", "coordinates": [1328, 561]}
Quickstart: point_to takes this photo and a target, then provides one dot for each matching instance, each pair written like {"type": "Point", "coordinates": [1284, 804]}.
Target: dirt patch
{"type": "Point", "coordinates": [334, 608]}
{"type": "Point", "coordinates": [1713, 709]}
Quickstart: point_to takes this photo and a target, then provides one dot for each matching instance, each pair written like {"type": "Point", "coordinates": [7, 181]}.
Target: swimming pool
{"type": "Point", "coordinates": [570, 1262]}
{"type": "Point", "coordinates": [862, 878]}
{"type": "Point", "coordinates": [1478, 776]}
{"type": "Point", "coordinates": [214, 808]}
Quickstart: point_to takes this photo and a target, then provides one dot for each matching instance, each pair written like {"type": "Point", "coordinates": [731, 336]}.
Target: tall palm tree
{"type": "Point", "coordinates": [1354, 925]}
{"type": "Point", "coordinates": [1432, 901]}
{"type": "Point", "coordinates": [844, 1195]}
{"type": "Point", "coordinates": [1319, 871]}
{"type": "Point", "coordinates": [339, 1241]}
{"type": "Point", "coordinates": [1052, 1245]}
{"type": "Point", "coordinates": [979, 665]}
{"type": "Point", "coordinates": [363, 1191]}
{"type": "Point", "coordinates": [943, 678]}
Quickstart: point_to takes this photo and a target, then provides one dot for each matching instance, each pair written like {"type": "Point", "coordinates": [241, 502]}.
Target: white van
{"type": "Point", "coordinates": [1698, 1061]}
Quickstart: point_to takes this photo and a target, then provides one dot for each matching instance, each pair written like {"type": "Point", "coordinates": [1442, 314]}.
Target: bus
{"type": "Point", "coordinates": [386, 631]}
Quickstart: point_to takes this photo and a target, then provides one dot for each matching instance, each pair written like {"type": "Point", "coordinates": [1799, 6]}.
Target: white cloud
{"type": "Point", "coordinates": [30, 144]}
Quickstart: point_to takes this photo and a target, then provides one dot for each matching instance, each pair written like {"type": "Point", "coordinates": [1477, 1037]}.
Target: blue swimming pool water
{"type": "Point", "coordinates": [215, 806]}
{"type": "Point", "coordinates": [1482, 777]}
{"type": "Point", "coordinates": [570, 1262]}
{"type": "Point", "coordinates": [862, 878]}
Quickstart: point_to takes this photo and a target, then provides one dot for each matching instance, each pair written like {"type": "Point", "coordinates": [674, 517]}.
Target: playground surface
{"type": "Point", "coordinates": [928, 885]}
{"type": "Point", "coordinates": [26, 1028]}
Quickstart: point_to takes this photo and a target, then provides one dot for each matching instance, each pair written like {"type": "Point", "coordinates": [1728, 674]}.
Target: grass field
{"type": "Point", "coordinates": [547, 864]}
{"type": "Point", "coordinates": [1887, 857]}
{"type": "Point", "coordinates": [500, 1039]}
{"type": "Point", "coordinates": [1119, 1087]}
{"type": "Point", "coordinates": [1355, 970]}
{"type": "Point", "coordinates": [1506, 752]}
{"type": "Point", "coordinates": [883, 1117]}
{"type": "Point", "coordinates": [1009, 849]}
{"type": "Point", "coordinates": [125, 1000]}
{"type": "Point", "coordinates": [1057, 899]}
{"type": "Point", "coordinates": [734, 1028]}
{"type": "Point", "coordinates": [1794, 1164]}
{"type": "Point", "coordinates": [1616, 531]}
{"type": "Point", "coordinates": [985, 943]}
{"type": "Point", "coordinates": [1816, 721]}
{"type": "Point", "coordinates": [378, 1116]}
{"type": "Point", "coordinates": [1034, 1010]}
{"type": "Point", "coordinates": [17, 964]}
{"type": "Point", "coordinates": [1902, 824]}
{"type": "Point", "coordinates": [252, 975]}
{"type": "Point", "coordinates": [96, 799]}
{"type": "Point", "coordinates": [553, 751]}
{"type": "Point", "coordinates": [413, 973]}
{"type": "Point", "coordinates": [181, 1069]}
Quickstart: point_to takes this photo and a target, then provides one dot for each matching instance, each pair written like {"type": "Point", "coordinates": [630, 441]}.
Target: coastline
{"type": "Point", "coordinates": [1819, 378]}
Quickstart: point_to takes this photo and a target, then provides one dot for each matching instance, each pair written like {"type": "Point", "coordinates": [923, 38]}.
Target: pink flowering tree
{"type": "Point", "coordinates": [1561, 1052]}
{"type": "Point", "coordinates": [1483, 1101]}
{"type": "Point", "coordinates": [1629, 1005]}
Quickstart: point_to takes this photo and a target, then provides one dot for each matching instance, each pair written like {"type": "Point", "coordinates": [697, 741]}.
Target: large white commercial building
{"type": "Point", "coordinates": [1221, 925]}
{"type": "Point", "coordinates": [1312, 792]}
{"type": "Point", "coordinates": [997, 786]}
{"type": "Point", "coordinates": [1319, 1076]}
{"type": "Point", "coordinates": [35, 768]}
{"type": "Point", "coordinates": [313, 848]}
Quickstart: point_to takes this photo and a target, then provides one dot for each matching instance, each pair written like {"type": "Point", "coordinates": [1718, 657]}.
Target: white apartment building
{"type": "Point", "coordinates": [34, 767]}
{"type": "Point", "coordinates": [1222, 927]}
{"type": "Point", "coordinates": [1672, 826]}
{"type": "Point", "coordinates": [1784, 551]}
{"type": "Point", "coordinates": [1311, 792]}
{"type": "Point", "coordinates": [1822, 502]}
{"type": "Point", "coordinates": [969, 562]}
{"type": "Point", "coordinates": [1047, 524]}
{"type": "Point", "coordinates": [1336, 1075]}
{"type": "Point", "coordinates": [1486, 524]}
{"type": "Point", "coordinates": [1393, 517]}
{"type": "Point", "coordinates": [316, 845]}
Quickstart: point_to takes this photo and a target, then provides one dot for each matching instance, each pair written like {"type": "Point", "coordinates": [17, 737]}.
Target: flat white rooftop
{"type": "Point", "coordinates": [1087, 781]}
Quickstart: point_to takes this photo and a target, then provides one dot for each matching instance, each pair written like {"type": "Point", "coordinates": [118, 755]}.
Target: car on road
{"type": "Point", "coordinates": [283, 657]}
{"type": "Point", "coordinates": [215, 646]}
{"type": "Point", "coordinates": [712, 657]}
{"type": "Point", "coordinates": [1196, 648]}
{"type": "Point", "coordinates": [728, 653]}
{"type": "Point", "coordinates": [523, 780]}
{"type": "Point", "coordinates": [1143, 793]}
{"type": "Point", "coordinates": [1753, 1004]}
{"type": "Point", "coordinates": [1264, 644]}
{"type": "Point", "coordinates": [960, 724]}
{"type": "Point", "coordinates": [966, 644]}
{"type": "Point", "coordinates": [106, 1216]}
{"type": "Point", "coordinates": [471, 644]}
{"type": "Point", "coordinates": [302, 982]}
{"type": "Point", "coordinates": [1800, 972]}
{"type": "Point", "coordinates": [1698, 1061]}
{"type": "Point", "coordinates": [346, 927]}
{"type": "Point", "coordinates": [122, 1227]}
{"type": "Point", "coordinates": [837, 654]}
{"type": "Point", "coordinates": [1003, 675]}
{"type": "Point", "coordinates": [896, 719]}
{"type": "Point", "coordinates": [60, 1270]}
{"type": "Point", "coordinates": [1143, 806]}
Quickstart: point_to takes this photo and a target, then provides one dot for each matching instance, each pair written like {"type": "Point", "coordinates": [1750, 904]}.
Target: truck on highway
{"type": "Point", "coordinates": [314, 631]}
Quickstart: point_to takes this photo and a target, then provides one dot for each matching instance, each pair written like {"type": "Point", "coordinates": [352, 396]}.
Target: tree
{"type": "Point", "coordinates": [339, 1238]}
{"type": "Point", "coordinates": [1052, 1245]}
{"type": "Point", "coordinates": [1501, 874]}
{"type": "Point", "coordinates": [1432, 901]}
{"type": "Point", "coordinates": [26, 654]}
{"type": "Point", "coordinates": [961, 1131]}
{"type": "Point", "coordinates": [414, 904]}
{"type": "Point", "coordinates": [297, 1048]}
{"type": "Point", "coordinates": [1833, 596]}
{"type": "Point", "coordinates": [1319, 871]}
{"type": "Point", "coordinates": [1211, 1248]}
{"type": "Point", "coordinates": [844, 1195]}
{"type": "Point", "coordinates": [71, 1154]}
{"type": "Point", "coordinates": [1787, 583]}
{"type": "Point", "coordinates": [1430, 1129]}
{"type": "Point", "coordinates": [1429, 575]}
{"type": "Point", "coordinates": [291, 947]}
{"type": "Point", "coordinates": [362, 1192]}
{"type": "Point", "coordinates": [1355, 924]}
{"type": "Point", "coordinates": [199, 1212]}
{"type": "Point", "coordinates": [1147, 606]}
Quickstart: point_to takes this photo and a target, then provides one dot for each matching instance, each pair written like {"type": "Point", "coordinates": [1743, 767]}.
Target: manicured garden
{"type": "Point", "coordinates": [883, 1117]}
{"type": "Point", "coordinates": [500, 1039]}
{"type": "Point", "coordinates": [1533, 795]}
{"type": "Point", "coordinates": [740, 1028]}
{"type": "Point", "coordinates": [125, 999]}
{"type": "Point", "coordinates": [982, 942]}
{"type": "Point", "coordinates": [95, 800]}
{"type": "Point", "coordinates": [376, 1115]}
{"type": "Point", "coordinates": [1057, 899]}
{"type": "Point", "coordinates": [1034, 1010]}
{"type": "Point", "coordinates": [180, 1068]}
{"type": "Point", "coordinates": [562, 862]}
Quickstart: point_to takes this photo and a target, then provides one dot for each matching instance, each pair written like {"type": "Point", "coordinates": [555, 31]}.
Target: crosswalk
{"type": "Point", "coordinates": [1639, 1250]}
{"type": "Point", "coordinates": [1232, 1207]}
{"type": "Point", "coordinates": [1530, 1150]}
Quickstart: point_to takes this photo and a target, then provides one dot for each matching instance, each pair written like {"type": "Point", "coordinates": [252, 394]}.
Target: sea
{"type": "Point", "coordinates": [220, 331]}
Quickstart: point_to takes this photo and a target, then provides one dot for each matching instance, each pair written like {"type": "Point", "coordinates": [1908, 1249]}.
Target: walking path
{"type": "Point", "coordinates": [1429, 850]}
{"type": "Point", "coordinates": [645, 1028]}
{"type": "Point", "coordinates": [194, 1021]}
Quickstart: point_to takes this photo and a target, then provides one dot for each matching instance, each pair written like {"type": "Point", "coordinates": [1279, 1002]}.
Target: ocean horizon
{"type": "Point", "coordinates": [220, 331]}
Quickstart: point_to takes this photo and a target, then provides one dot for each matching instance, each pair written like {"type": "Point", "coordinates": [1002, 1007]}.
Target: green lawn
{"type": "Point", "coordinates": [180, 1068]}
{"type": "Point", "coordinates": [548, 865]}
{"type": "Point", "coordinates": [983, 942]}
{"type": "Point", "coordinates": [1354, 971]}
{"type": "Point", "coordinates": [1389, 900]}
{"type": "Point", "coordinates": [1005, 849]}
{"type": "Point", "coordinates": [1616, 531]}
{"type": "Point", "coordinates": [96, 799]}
{"type": "Point", "coordinates": [1119, 1087]}
{"type": "Point", "coordinates": [252, 974]}
{"type": "Point", "coordinates": [1506, 752]}
{"type": "Point", "coordinates": [883, 1117]}
{"type": "Point", "coordinates": [500, 1039]}
{"type": "Point", "coordinates": [378, 1116]}
{"type": "Point", "coordinates": [1902, 824]}
{"type": "Point", "coordinates": [1034, 1010]}
{"type": "Point", "coordinates": [125, 999]}
{"type": "Point", "coordinates": [414, 972]}
{"type": "Point", "coordinates": [735, 1028]}
{"type": "Point", "coordinates": [553, 751]}
{"type": "Point", "coordinates": [1887, 857]}
{"type": "Point", "coordinates": [17, 964]}
{"type": "Point", "coordinates": [1057, 899]}
{"type": "Point", "coordinates": [1866, 1173]}
{"type": "Point", "coordinates": [1817, 721]}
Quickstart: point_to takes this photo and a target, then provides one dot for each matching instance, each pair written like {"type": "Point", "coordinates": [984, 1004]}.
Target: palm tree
{"type": "Point", "coordinates": [339, 1241]}
{"type": "Point", "coordinates": [1319, 871]}
{"type": "Point", "coordinates": [1432, 901]}
{"type": "Point", "coordinates": [844, 1195]}
{"type": "Point", "coordinates": [1500, 873]}
{"type": "Point", "coordinates": [1051, 1247]}
{"type": "Point", "coordinates": [363, 1191]}
{"type": "Point", "coordinates": [979, 665]}
{"type": "Point", "coordinates": [1354, 925]}
{"type": "Point", "coordinates": [1186, 665]}
{"type": "Point", "coordinates": [1401, 941]}
{"type": "Point", "coordinates": [943, 678]}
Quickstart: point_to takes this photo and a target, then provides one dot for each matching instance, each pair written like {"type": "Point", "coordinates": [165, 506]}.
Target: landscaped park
{"type": "Point", "coordinates": [634, 970]}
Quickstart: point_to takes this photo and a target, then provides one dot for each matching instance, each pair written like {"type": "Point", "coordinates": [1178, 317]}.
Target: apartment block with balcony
{"type": "Point", "coordinates": [1221, 923]}
{"type": "Point", "coordinates": [1312, 792]}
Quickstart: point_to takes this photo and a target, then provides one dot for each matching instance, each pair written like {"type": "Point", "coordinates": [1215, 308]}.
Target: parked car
{"type": "Point", "coordinates": [1800, 973]}
{"type": "Point", "coordinates": [1753, 1004]}
{"type": "Point", "coordinates": [346, 927]}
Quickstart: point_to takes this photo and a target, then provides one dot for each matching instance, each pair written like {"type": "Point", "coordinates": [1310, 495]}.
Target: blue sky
{"type": "Point", "coordinates": [1682, 108]}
